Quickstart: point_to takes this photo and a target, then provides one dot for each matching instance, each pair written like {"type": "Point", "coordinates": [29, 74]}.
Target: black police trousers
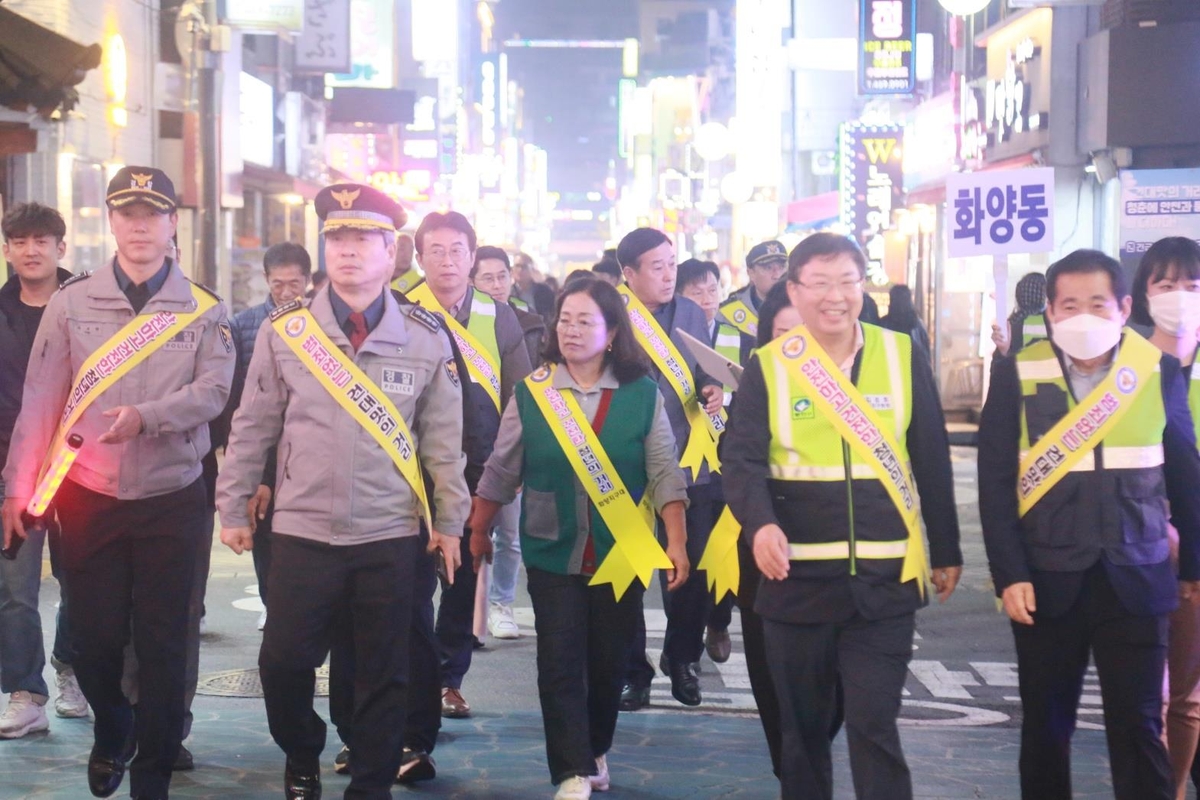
{"type": "Point", "coordinates": [312, 586]}
{"type": "Point", "coordinates": [128, 565]}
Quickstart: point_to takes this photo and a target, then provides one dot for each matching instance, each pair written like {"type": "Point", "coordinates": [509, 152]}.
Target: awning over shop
{"type": "Point", "coordinates": [40, 68]}
{"type": "Point", "coordinates": [812, 213]}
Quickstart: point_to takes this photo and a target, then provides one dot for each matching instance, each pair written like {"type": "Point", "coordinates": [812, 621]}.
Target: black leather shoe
{"type": "Point", "coordinates": [416, 766]}
{"type": "Point", "coordinates": [341, 763]}
{"type": "Point", "coordinates": [300, 783]}
{"type": "Point", "coordinates": [718, 645]}
{"type": "Point", "coordinates": [105, 774]}
{"type": "Point", "coordinates": [685, 685]}
{"type": "Point", "coordinates": [184, 762]}
{"type": "Point", "coordinates": [633, 698]}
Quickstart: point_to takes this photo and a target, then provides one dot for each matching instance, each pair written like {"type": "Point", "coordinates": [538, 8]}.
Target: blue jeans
{"type": "Point", "coordinates": [506, 556]}
{"type": "Point", "coordinates": [22, 656]}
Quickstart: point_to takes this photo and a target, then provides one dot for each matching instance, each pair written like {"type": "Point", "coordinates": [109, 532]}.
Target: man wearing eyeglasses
{"type": "Point", "coordinates": [492, 344]}
{"type": "Point", "coordinates": [835, 432]}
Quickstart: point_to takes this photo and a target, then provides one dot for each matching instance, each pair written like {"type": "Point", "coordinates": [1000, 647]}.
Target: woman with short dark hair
{"type": "Point", "coordinates": [1166, 294]}
{"type": "Point", "coordinates": [595, 381]}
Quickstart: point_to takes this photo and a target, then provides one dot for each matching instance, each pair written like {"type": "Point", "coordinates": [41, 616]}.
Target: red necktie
{"type": "Point", "coordinates": [358, 334]}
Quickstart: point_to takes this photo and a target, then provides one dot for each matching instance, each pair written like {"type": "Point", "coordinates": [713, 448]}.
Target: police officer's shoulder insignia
{"type": "Point", "coordinates": [75, 279]}
{"type": "Point", "coordinates": [226, 334]}
{"type": "Point", "coordinates": [452, 371]}
{"type": "Point", "coordinates": [794, 347]}
{"type": "Point", "coordinates": [425, 317]}
{"type": "Point", "coordinates": [285, 309]}
{"type": "Point", "coordinates": [210, 291]}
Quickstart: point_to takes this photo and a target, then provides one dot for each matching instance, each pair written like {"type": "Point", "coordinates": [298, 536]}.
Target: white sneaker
{"type": "Point", "coordinates": [501, 624]}
{"type": "Point", "coordinates": [70, 702]}
{"type": "Point", "coordinates": [599, 781]}
{"type": "Point", "coordinates": [203, 626]}
{"type": "Point", "coordinates": [262, 619]}
{"type": "Point", "coordinates": [574, 788]}
{"type": "Point", "coordinates": [23, 715]}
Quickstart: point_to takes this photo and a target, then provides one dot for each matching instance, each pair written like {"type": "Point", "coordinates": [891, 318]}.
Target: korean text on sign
{"type": "Point", "coordinates": [1001, 213]}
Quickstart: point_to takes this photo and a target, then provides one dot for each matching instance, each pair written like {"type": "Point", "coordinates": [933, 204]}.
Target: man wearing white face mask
{"type": "Point", "coordinates": [1083, 440]}
{"type": "Point", "coordinates": [1166, 295]}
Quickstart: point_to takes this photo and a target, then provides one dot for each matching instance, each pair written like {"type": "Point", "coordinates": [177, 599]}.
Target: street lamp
{"type": "Point", "coordinates": [964, 8]}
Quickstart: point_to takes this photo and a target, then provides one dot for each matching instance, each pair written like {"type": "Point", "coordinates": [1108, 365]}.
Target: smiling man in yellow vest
{"type": "Point", "coordinates": [836, 431]}
{"type": "Point", "coordinates": [152, 358]}
{"type": "Point", "coordinates": [492, 344]}
{"type": "Point", "coordinates": [1084, 439]}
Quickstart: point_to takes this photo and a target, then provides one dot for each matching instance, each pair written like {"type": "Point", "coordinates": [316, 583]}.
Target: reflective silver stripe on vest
{"type": "Point", "coordinates": [728, 340]}
{"type": "Point", "coordinates": [798, 472]}
{"type": "Point", "coordinates": [1145, 457]}
{"type": "Point", "coordinates": [1038, 330]}
{"type": "Point", "coordinates": [1049, 369]}
{"type": "Point", "coordinates": [840, 551]}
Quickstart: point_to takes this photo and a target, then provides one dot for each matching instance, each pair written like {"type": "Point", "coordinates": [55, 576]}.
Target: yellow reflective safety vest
{"type": "Point", "coordinates": [728, 342]}
{"type": "Point", "coordinates": [1113, 501]}
{"type": "Point", "coordinates": [837, 515]}
{"type": "Point", "coordinates": [1034, 327]}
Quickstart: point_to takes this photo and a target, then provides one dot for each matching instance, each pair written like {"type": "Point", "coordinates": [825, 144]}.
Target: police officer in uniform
{"type": "Point", "coordinates": [132, 507]}
{"type": "Point", "coordinates": [1078, 544]}
{"type": "Point", "coordinates": [831, 542]}
{"type": "Point", "coordinates": [347, 519]}
{"type": "Point", "coordinates": [765, 264]}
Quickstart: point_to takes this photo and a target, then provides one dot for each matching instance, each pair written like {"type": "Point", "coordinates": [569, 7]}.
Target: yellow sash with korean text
{"type": "Point", "coordinates": [1078, 433]}
{"type": "Point", "coordinates": [483, 368]}
{"type": "Point", "coordinates": [705, 428]}
{"type": "Point", "coordinates": [838, 400]}
{"type": "Point", "coordinates": [636, 553]}
{"type": "Point", "coordinates": [136, 341]}
{"type": "Point", "coordinates": [741, 316]}
{"type": "Point", "coordinates": [356, 393]}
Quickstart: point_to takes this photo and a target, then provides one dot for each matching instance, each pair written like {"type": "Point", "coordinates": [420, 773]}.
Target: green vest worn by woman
{"type": "Point", "coordinates": [1113, 500]}
{"type": "Point", "coordinates": [840, 518]}
{"type": "Point", "coordinates": [551, 507]}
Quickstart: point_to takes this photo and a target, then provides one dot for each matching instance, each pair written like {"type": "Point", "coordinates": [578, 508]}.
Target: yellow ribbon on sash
{"type": "Point", "coordinates": [720, 559]}
{"type": "Point", "coordinates": [705, 428]}
{"type": "Point", "coordinates": [637, 552]}
{"type": "Point", "coordinates": [1078, 433]}
{"type": "Point", "coordinates": [838, 400]}
{"type": "Point", "coordinates": [356, 393]}
{"type": "Point", "coordinates": [136, 341]}
{"type": "Point", "coordinates": [741, 316]}
{"type": "Point", "coordinates": [480, 364]}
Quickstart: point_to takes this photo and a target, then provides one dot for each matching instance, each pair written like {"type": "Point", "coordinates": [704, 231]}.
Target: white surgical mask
{"type": "Point", "coordinates": [1086, 336]}
{"type": "Point", "coordinates": [1176, 313]}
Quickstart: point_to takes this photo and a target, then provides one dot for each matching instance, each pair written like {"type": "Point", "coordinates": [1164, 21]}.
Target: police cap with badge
{"type": "Point", "coordinates": [141, 185]}
{"type": "Point", "coordinates": [353, 205]}
{"type": "Point", "coordinates": [766, 253]}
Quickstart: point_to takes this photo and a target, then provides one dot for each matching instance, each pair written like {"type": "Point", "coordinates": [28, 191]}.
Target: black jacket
{"type": "Point", "coordinates": [831, 593]}
{"type": "Point", "coordinates": [16, 343]}
{"type": "Point", "coordinates": [1088, 513]}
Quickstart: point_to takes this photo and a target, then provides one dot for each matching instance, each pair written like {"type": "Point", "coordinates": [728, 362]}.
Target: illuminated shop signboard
{"type": "Point", "coordinates": [887, 46]}
{"type": "Point", "coordinates": [871, 185]}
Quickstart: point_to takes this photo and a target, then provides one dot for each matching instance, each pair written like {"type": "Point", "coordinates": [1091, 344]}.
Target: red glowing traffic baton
{"type": "Point", "coordinates": [54, 476]}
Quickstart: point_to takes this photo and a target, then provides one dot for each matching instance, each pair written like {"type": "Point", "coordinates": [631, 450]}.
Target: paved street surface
{"type": "Point", "coordinates": [961, 716]}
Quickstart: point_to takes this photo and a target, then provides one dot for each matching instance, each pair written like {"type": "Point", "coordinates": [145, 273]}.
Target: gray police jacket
{"type": "Point", "coordinates": [177, 390]}
{"type": "Point", "coordinates": [334, 483]}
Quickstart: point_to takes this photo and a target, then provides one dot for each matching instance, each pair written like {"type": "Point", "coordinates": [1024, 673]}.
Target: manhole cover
{"type": "Point", "coordinates": [245, 683]}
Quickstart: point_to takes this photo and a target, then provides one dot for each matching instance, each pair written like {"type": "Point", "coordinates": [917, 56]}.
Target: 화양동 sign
{"type": "Point", "coordinates": [1000, 213]}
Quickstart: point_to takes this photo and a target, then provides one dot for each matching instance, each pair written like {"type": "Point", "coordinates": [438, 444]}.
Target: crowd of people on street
{"type": "Point", "coordinates": [414, 423]}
